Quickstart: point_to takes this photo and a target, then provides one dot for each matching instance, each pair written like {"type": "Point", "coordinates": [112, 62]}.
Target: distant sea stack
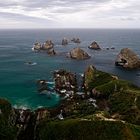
{"type": "Point", "coordinates": [76, 40]}
{"type": "Point", "coordinates": [94, 45]}
{"type": "Point", "coordinates": [79, 54]}
{"type": "Point", "coordinates": [64, 42]}
{"type": "Point", "coordinates": [127, 59]}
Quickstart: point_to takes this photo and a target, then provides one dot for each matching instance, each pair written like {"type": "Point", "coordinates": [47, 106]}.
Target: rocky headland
{"type": "Point", "coordinates": [110, 109]}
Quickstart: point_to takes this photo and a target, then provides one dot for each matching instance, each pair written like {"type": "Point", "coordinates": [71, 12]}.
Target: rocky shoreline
{"type": "Point", "coordinates": [101, 92]}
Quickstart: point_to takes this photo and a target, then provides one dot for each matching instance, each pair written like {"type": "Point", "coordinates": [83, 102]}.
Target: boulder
{"type": "Point", "coordinates": [127, 59]}
{"type": "Point", "coordinates": [94, 45]}
{"type": "Point", "coordinates": [78, 53]}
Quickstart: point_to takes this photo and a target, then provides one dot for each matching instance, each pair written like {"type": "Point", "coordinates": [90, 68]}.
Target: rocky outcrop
{"type": "Point", "coordinates": [94, 45]}
{"type": "Point", "coordinates": [65, 82]}
{"type": "Point", "coordinates": [89, 76]}
{"type": "Point", "coordinates": [127, 59]}
{"type": "Point", "coordinates": [79, 54]}
{"type": "Point", "coordinates": [48, 47]}
{"type": "Point", "coordinates": [76, 40]}
{"type": "Point", "coordinates": [37, 46]}
{"type": "Point", "coordinates": [64, 42]}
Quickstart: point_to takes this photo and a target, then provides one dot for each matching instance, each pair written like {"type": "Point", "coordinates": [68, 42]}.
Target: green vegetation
{"type": "Point", "coordinates": [82, 129]}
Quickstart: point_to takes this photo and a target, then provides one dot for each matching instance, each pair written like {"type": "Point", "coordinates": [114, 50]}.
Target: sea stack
{"type": "Point", "coordinates": [76, 40]}
{"type": "Point", "coordinates": [64, 42]}
{"type": "Point", "coordinates": [94, 45]}
{"type": "Point", "coordinates": [127, 59]}
{"type": "Point", "coordinates": [78, 53]}
{"type": "Point", "coordinates": [37, 46]}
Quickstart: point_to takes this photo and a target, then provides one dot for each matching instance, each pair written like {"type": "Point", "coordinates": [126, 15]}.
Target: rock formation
{"type": "Point", "coordinates": [78, 53]}
{"type": "Point", "coordinates": [76, 40]}
{"type": "Point", "coordinates": [127, 59]}
{"type": "Point", "coordinates": [37, 46]}
{"type": "Point", "coordinates": [65, 82]}
{"type": "Point", "coordinates": [48, 47]}
{"type": "Point", "coordinates": [64, 41]}
{"type": "Point", "coordinates": [94, 45]}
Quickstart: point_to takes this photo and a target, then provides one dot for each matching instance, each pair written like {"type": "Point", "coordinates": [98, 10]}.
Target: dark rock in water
{"type": "Point", "coordinates": [78, 53]}
{"type": "Point", "coordinates": [43, 87]}
{"type": "Point", "coordinates": [76, 40]}
{"type": "Point", "coordinates": [65, 81]}
{"type": "Point", "coordinates": [64, 41]}
{"type": "Point", "coordinates": [94, 45]}
{"type": "Point", "coordinates": [127, 59]}
{"type": "Point", "coordinates": [112, 48]}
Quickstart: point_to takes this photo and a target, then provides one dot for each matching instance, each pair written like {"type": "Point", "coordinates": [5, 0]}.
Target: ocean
{"type": "Point", "coordinates": [18, 79]}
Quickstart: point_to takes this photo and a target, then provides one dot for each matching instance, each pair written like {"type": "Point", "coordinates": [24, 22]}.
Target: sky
{"type": "Point", "coordinates": [69, 14]}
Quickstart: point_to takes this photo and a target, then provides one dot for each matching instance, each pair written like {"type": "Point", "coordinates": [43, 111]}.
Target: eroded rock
{"type": "Point", "coordinates": [94, 45]}
{"type": "Point", "coordinates": [79, 54]}
{"type": "Point", "coordinates": [127, 59]}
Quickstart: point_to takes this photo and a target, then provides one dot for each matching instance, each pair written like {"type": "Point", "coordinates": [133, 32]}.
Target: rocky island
{"type": "Point", "coordinates": [127, 59]}
{"type": "Point", "coordinates": [110, 110]}
{"type": "Point", "coordinates": [48, 47]}
{"type": "Point", "coordinates": [94, 45]}
{"type": "Point", "coordinates": [78, 53]}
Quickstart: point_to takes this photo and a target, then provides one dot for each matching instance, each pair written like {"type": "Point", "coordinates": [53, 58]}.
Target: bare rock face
{"type": "Point", "coordinates": [127, 59]}
{"type": "Point", "coordinates": [79, 54]}
{"type": "Point", "coordinates": [65, 81]}
{"type": "Point", "coordinates": [94, 45]}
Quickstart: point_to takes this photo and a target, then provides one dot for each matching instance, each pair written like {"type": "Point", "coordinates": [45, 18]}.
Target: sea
{"type": "Point", "coordinates": [18, 79]}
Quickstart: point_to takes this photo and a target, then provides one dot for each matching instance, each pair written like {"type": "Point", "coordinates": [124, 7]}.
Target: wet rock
{"type": "Point", "coordinates": [79, 54]}
{"type": "Point", "coordinates": [94, 45]}
{"type": "Point", "coordinates": [64, 41]}
{"type": "Point", "coordinates": [127, 59]}
{"type": "Point", "coordinates": [65, 82]}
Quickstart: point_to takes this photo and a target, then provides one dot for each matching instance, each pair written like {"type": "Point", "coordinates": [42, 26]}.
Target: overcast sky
{"type": "Point", "coordinates": [69, 13]}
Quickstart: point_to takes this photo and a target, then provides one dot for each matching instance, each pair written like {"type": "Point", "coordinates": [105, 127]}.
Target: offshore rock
{"type": "Point", "coordinates": [37, 46]}
{"type": "Point", "coordinates": [47, 45]}
{"type": "Point", "coordinates": [65, 82]}
{"type": "Point", "coordinates": [64, 41]}
{"type": "Point", "coordinates": [94, 45]}
{"type": "Point", "coordinates": [127, 59]}
{"type": "Point", "coordinates": [76, 40]}
{"type": "Point", "coordinates": [79, 54]}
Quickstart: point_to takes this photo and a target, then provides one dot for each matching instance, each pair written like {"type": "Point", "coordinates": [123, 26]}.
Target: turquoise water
{"type": "Point", "coordinates": [18, 80]}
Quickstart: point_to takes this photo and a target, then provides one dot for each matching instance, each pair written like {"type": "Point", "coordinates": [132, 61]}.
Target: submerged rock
{"type": "Point", "coordinates": [78, 53]}
{"type": "Point", "coordinates": [127, 59]}
{"type": "Point", "coordinates": [94, 45]}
